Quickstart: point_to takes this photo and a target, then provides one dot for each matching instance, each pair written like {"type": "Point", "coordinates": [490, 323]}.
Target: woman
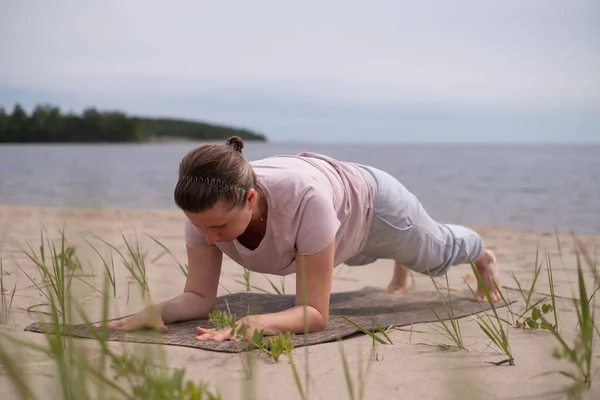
{"type": "Point", "coordinates": [302, 214]}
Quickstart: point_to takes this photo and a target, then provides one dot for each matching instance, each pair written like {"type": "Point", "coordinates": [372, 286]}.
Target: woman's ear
{"type": "Point", "coordinates": [251, 197]}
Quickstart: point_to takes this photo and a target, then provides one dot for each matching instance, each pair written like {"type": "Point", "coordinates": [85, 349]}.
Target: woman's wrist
{"type": "Point", "coordinates": [292, 320]}
{"type": "Point", "coordinates": [184, 307]}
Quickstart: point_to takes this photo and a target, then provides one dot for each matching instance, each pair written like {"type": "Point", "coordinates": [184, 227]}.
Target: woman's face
{"type": "Point", "coordinates": [221, 223]}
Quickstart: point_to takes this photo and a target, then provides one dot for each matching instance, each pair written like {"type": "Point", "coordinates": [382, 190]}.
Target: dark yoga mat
{"type": "Point", "coordinates": [358, 306]}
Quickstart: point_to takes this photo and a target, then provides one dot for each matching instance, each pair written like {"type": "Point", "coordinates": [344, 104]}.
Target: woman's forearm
{"type": "Point", "coordinates": [293, 320]}
{"type": "Point", "coordinates": [184, 307]}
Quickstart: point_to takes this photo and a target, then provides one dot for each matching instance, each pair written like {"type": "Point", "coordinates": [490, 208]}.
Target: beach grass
{"type": "Point", "coordinates": [6, 301]}
{"type": "Point", "coordinates": [494, 327]}
{"type": "Point", "coordinates": [540, 307]}
{"type": "Point", "coordinates": [134, 260]}
{"type": "Point", "coordinates": [356, 387]}
{"type": "Point", "coordinates": [449, 328]}
{"type": "Point", "coordinates": [579, 355]}
{"type": "Point", "coordinates": [124, 374]}
{"type": "Point", "coordinates": [109, 268]}
{"type": "Point", "coordinates": [78, 376]}
{"type": "Point", "coordinates": [246, 274]}
{"type": "Point", "coordinates": [182, 266]}
{"type": "Point", "coordinates": [57, 266]}
{"type": "Point", "coordinates": [537, 269]}
{"type": "Point", "coordinates": [277, 289]}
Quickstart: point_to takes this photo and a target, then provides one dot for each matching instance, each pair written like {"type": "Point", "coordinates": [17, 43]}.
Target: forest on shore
{"type": "Point", "coordinates": [48, 124]}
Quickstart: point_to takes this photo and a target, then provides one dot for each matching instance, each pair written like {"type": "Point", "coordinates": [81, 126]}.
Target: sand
{"type": "Point", "coordinates": [408, 369]}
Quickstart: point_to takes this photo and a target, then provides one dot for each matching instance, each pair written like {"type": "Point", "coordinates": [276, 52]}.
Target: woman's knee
{"type": "Point", "coordinates": [427, 250]}
{"type": "Point", "coordinates": [427, 260]}
{"type": "Point", "coordinates": [436, 255]}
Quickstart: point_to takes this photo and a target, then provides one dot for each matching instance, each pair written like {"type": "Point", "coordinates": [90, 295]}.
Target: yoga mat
{"type": "Point", "coordinates": [358, 306]}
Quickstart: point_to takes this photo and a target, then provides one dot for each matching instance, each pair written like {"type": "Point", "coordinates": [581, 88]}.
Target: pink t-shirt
{"type": "Point", "coordinates": [311, 199]}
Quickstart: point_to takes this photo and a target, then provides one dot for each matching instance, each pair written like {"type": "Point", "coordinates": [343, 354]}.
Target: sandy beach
{"type": "Point", "coordinates": [406, 369]}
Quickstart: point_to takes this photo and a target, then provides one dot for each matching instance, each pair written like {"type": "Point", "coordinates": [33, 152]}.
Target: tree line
{"type": "Point", "coordinates": [48, 124]}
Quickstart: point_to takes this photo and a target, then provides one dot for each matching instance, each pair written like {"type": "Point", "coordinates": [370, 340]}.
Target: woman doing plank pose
{"type": "Point", "coordinates": [302, 214]}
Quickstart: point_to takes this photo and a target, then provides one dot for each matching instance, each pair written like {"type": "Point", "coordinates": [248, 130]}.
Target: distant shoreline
{"type": "Point", "coordinates": [48, 124]}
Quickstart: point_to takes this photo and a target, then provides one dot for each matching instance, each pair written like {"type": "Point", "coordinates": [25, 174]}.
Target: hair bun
{"type": "Point", "coordinates": [236, 142]}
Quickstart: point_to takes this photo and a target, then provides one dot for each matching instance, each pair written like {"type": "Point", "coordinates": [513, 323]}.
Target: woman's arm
{"type": "Point", "coordinates": [196, 301]}
{"type": "Point", "coordinates": [200, 291]}
{"type": "Point", "coordinates": [313, 288]}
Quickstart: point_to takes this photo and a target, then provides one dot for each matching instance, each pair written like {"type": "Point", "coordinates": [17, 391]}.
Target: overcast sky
{"type": "Point", "coordinates": [317, 70]}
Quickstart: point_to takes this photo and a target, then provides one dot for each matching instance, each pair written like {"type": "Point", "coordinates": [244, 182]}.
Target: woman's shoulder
{"type": "Point", "coordinates": [284, 160]}
{"type": "Point", "coordinates": [290, 182]}
{"type": "Point", "coordinates": [288, 171]}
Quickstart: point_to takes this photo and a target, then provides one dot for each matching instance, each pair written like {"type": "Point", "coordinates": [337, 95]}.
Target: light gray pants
{"type": "Point", "coordinates": [403, 231]}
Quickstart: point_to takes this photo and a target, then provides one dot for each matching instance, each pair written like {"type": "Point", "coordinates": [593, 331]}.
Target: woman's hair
{"type": "Point", "coordinates": [214, 172]}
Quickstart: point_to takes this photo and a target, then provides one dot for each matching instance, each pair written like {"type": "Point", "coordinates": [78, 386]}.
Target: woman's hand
{"type": "Point", "coordinates": [147, 318]}
{"type": "Point", "coordinates": [247, 325]}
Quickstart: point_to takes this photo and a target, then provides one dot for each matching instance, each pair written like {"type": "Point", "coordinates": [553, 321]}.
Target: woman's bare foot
{"type": "Point", "coordinates": [487, 266]}
{"type": "Point", "coordinates": [399, 282]}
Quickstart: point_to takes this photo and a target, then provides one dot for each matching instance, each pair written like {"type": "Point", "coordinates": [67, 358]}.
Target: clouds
{"type": "Point", "coordinates": [537, 55]}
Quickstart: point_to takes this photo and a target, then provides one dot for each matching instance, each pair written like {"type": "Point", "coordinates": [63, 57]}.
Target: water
{"type": "Point", "coordinates": [532, 187]}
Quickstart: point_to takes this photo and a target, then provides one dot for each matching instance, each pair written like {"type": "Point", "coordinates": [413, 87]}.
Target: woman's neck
{"type": "Point", "coordinates": [261, 210]}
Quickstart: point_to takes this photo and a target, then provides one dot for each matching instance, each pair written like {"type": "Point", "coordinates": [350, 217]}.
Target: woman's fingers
{"type": "Point", "coordinates": [134, 322]}
{"type": "Point", "coordinates": [206, 336]}
{"type": "Point", "coordinates": [125, 324]}
{"type": "Point", "coordinates": [216, 338]}
{"type": "Point", "coordinates": [212, 334]}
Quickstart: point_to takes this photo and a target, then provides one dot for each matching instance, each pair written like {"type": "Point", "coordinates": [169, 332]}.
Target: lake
{"type": "Point", "coordinates": [532, 187]}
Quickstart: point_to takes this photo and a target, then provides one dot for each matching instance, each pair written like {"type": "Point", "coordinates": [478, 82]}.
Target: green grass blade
{"type": "Point", "coordinates": [295, 374]}
{"type": "Point", "coordinates": [182, 267]}
{"type": "Point", "coordinates": [365, 331]}
{"type": "Point", "coordinates": [109, 271]}
{"type": "Point", "coordinates": [379, 328]}
{"type": "Point", "coordinates": [346, 369]}
{"type": "Point", "coordinates": [552, 295]}
{"type": "Point", "coordinates": [536, 274]}
{"type": "Point", "coordinates": [449, 333]}
{"type": "Point", "coordinates": [489, 333]}
{"type": "Point", "coordinates": [521, 290]}
{"type": "Point", "coordinates": [15, 376]}
{"type": "Point", "coordinates": [275, 288]}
